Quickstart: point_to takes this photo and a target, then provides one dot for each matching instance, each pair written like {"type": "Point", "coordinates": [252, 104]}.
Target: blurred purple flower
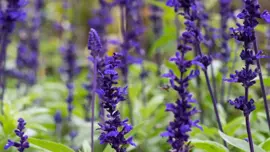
{"type": "Point", "coordinates": [23, 144]}
{"type": "Point", "coordinates": [94, 43]}
{"type": "Point", "coordinates": [266, 16]}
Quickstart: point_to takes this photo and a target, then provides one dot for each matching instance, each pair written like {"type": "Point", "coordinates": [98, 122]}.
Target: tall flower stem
{"type": "Point", "coordinates": [214, 102]}
{"type": "Point", "coordinates": [2, 68]}
{"type": "Point", "coordinates": [262, 84]}
{"type": "Point", "coordinates": [247, 122]}
{"type": "Point", "coordinates": [249, 134]}
{"type": "Point", "coordinates": [93, 102]}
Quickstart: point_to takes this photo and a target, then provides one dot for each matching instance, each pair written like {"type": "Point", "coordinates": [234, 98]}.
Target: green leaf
{"type": "Point", "coordinates": [86, 146]}
{"type": "Point", "coordinates": [266, 145]}
{"type": "Point", "coordinates": [169, 29]}
{"type": "Point", "coordinates": [266, 81]}
{"type": "Point", "coordinates": [134, 130]}
{"type": "Point", "coordinates": [239, 143]}
{"type": "Point", "coordinates": [209, 146]}
{"type": "Point", "coordinates": [152, 105]}
{"type": "Point", "coordinates": [231, 127]}
{"type": "Point", "coordinates": [49, 145]}
{"type": "Point", "coordinates": [108, 149]}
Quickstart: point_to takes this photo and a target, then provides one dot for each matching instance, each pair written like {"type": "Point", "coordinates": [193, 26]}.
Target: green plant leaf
{"type": "Point", "coordinates": [49, 145]}
{"type": "Point", "coordinates": [266, 145]}
{"type": "Point", "coordinates": [86, 146]}
{"type": "Point", "coordinates": [209, 146]}
{"type": "Point", "coordinates": [231, 127]}
{"type": "Point", "coordinates": [108, 149]}
{"type": "Point", "coordinates": [135, 129]}
{"type": "Point", "coordinates": [239, 143]}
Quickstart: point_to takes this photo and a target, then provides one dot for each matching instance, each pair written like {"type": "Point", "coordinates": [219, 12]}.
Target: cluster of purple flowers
{"type": "Point", "coordinates": [113, 129]}
{"type": "Point", "coordinates": [70, 69]}
{"type": "Point", "coordinates": [95, 46]}
{"type": "Point", "coordinates": [100, 21]}
{"type": "Point", "coordinates": [23, 144]}
{"type": "Point", "coordinates": [177, 131]}
{"type": "Point", "coordinates": [246, 34]}
{"type": "Point", "coordinates": [8, 19]}
{"type": "Point", "coordinates": [35, 35]}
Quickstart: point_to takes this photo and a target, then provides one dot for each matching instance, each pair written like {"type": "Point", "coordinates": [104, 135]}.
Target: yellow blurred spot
{"type": "Point", "coordinates": [111, 50]}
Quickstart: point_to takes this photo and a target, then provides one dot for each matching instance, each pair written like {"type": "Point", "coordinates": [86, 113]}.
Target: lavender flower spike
{"type": "Point", "coordinates": [23, 144]}
{"type": "Point", "coordinates": [94, 44]}
{"type": "Point", "coordinates": [113, 130]}
{"type": "Point", "coordinates": [192, 35]}
{"type": "Point", "coordinates": [247, 75]}
{"type": "Point", "coordinates": [246, 34]}
{"type": "Point", "coordinates": [8, 19]}
{"type": "Point", "coordinates": [177, 131]}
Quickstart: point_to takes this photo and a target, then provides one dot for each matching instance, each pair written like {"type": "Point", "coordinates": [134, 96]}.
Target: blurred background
{"type": "Point", "coordinates": [66, 21]}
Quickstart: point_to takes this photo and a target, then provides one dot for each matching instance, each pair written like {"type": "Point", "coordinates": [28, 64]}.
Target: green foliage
{"type": "Point", "coordinates": [266, 145]}
{"type": "Point", "coordinates": [208, 146]}
{"type": "Point", "coordinates": [239, 143]}
{"type": "Point", "coordinates": [49, 145]}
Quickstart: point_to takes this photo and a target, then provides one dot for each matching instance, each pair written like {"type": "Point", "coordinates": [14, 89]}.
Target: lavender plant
{"type": "Point", "coordinates": [8, 19]}
{"type": "Point", "coordinates": [23, 144]}
{"type": "Point", "coordinates": [70, 69]}
{"type": "Point", "coordinates": [246, 34]}
{"type": "Point", "coordinates": [58, 123]}
{"type": "Point", "coordinates": [130, 34]}
{"type": "Point", "coordinates": [113, 130]}
{"type": "Point", "coordinates": [100, 22]}
{"type": "Point", "coordinates": [94, 44]}
{"type": "Point", "coordinates": [189, 12]}
{"type": "Point", "coordinates": [247, 75]}
{"type": "Point", "coordinates": [35, 35]}
{"type": "Point", "coordinates": [226, 14]}
{"type": "Point", "coordinates": [177, 131]}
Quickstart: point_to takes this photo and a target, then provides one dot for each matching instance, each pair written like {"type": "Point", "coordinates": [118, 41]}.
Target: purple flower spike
{"type": "Point", "coordinates": [23, 144]}
{"type": "Point", "coordinates": [113, 130]}
{"type": "Point", "coordinates": [246, 76]}
{"type": "Point", "coordinates": [94, 43]}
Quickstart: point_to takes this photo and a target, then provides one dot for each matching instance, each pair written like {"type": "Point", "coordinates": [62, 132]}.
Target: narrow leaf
{"type": "Point", "coordinates": [209, 146]}
{"type": "Point", "coordinates": [266, 145]}
{"type": "Point", "coordinates": [49, 145]}
{"type": "Point", "coordinates": [239, 143]}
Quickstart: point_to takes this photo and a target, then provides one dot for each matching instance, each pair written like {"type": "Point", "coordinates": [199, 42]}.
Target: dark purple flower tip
{"type": "Point", "coordinates": [170, 74]}
{"type": "Point", "coordinates": [266, 16]}
{"type": "Point", "coordinates": [173, 3]}
{"type": "Point", "coordinates": [202, 61]}
{"type": "Point", "coordinates": [166, 134]}
{"type": "Point", "coordinates": [241, 104]}
{"type": "Point", "coordinates": [130, 141]}
{"type": "Point", "coordinates": [243, 14]}
{"type": "Point", "coordinates": [94, 43]}
{"type": "Point", "coordinates": [23, 144]}
{"type": "Point", "coordinates": [250, 57]}
{"type": "Point", "coordinates": [9, 144]}
{"type": "Point", "coordinates": [58, 117]}
{"type": "Point", "coordinates": [73, 134]}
